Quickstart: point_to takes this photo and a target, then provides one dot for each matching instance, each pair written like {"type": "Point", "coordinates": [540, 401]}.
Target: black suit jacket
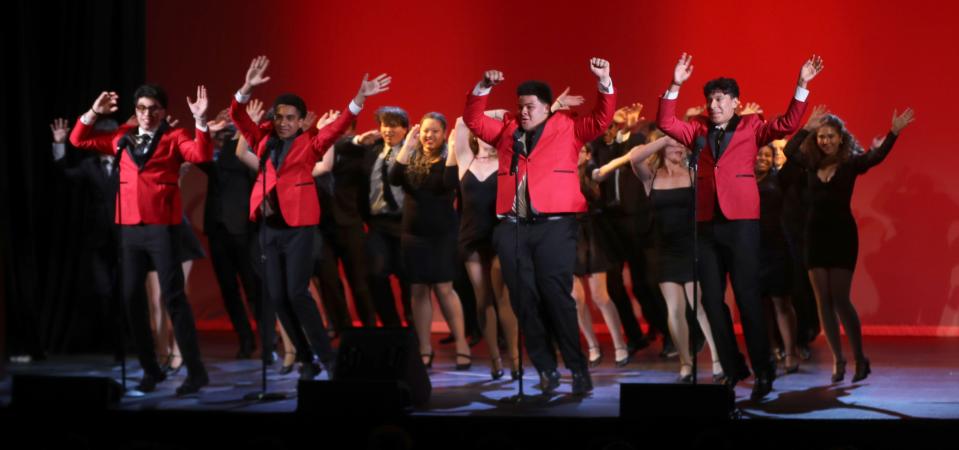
{"type": "Point", "coordinates": [228, 187]}
{"type": "Point", "coordinates": [98, 226]}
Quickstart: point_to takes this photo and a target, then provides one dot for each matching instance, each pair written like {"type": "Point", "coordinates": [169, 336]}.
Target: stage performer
{"type": "Point", "coordinates": [727, 209]}
{"type": "Point", "coordinates": [292, 209]}
{"type": "Point", "coordinates": [833, 160]}
{"type": "Point", "coordinates": [149, 212]}
{"type": "Point", "coordinates": [538, 195]}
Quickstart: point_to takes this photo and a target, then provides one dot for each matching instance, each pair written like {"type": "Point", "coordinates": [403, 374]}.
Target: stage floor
{"type": "Point", "coordinates": [911, 378]}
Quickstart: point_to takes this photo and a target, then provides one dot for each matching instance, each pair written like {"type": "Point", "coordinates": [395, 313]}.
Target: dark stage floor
{"type": "Point", "coordinates": [912, 378]}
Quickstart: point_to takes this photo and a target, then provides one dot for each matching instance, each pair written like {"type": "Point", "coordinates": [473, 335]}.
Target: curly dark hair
{"type": "Point", "coordinates": [420, 162]}
{"type": "Point", "coordinates": [849, 146]}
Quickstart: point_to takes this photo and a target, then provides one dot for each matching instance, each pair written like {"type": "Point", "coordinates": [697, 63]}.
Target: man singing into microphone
{"type": "Point", "coordinates": [727, 209]}
{"type": "Point", "coordinates": [538, 195]}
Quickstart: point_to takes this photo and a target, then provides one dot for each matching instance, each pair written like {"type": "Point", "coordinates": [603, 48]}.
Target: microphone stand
{"type": "Point", "coordinates": [121, 147]}
{"type": "Point", "coordinates": [693, 174]}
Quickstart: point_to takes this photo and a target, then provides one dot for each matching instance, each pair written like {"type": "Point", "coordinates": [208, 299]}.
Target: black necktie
{"type": "Point", "coordinates": [720, 134]}
{"type": "Point", "coordinates": [387, 189]}
{"type": "Point", "coordinates": [143, 141]}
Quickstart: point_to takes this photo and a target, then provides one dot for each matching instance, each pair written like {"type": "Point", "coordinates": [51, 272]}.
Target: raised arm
{"type": "Point", "coordinates": [84, 137]}
{"type": "Point", "coordinates": [484, 127]}
{"type": "Point", "coordinates": [684, 132]}
{"type": "Point", "coordinates": [792, 149]}
{"type": "Point", "coordinates": [787, 123]}
{"type": "Point", "coordinates": [882, 145]}
{"type": "Point", "coordinates": [255, 76]}
{"type": "Point", "coordinates": [325, 164]}
{"type": "Point", "coordinates": [638, 156]}
{"type": "Point", "coordinates": [328, 134]}
{"type": "Point", "coordinates": [200, 148]}
{"type": "Point", "coordinates": [595, 124]}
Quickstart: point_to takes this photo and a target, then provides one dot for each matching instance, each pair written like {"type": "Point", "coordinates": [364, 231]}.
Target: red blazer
{"type": "Point", "coordinates": [553, 179]}
{"type": "Point", "coordinates": [295, 188]}
{"type": "Point", "coordinates": [150, 195]}
{"type": "Point", "coordinates": [731, 179]}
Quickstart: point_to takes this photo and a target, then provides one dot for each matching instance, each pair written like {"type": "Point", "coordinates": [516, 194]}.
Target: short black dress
{"type": "Point", "coordinates": [831, 236]}
{"type": "Point", "coordinates": [673, 233]}
{"type": "Point", "coordinates": [592, 246]}
{"type": "Point", "coordinates": [478, 215]}
{"type": "Point", "coordinates": [429, 228]}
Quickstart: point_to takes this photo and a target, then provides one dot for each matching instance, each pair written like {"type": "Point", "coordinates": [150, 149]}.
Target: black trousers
{"type": "Point", "coordinates": [327, 273]}
{"type": "Point", "coordinates": [383, 251]}
{"type": "Point", "coordinates": [801, 294]}
{"type": "Point", "coordinates": [232, 255]}
{"type": "Point", "coordinates": [103, 274]}
{"type": "Point", "coordinates": [731, 247]}
{"type": "Point", "coordinates": [157, 244]}
{"type": "Point", "coordinates": [628, 248]}
{"type": "Point", "coordinates": [349, 246]}
{"type": "Point", "coordinates": [541, 296]}
{"type": "Point", "coordinates": [289, 261]}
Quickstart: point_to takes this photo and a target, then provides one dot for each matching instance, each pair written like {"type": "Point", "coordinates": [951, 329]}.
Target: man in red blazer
{"type": "Point", "coordinates": [148, 210]}
{"type": "Point", "coordinates": [727, 210]}
{"type": "Point", "coordinates": [291, 208]}
{"type": "Point", "coordinates": [538, 152]}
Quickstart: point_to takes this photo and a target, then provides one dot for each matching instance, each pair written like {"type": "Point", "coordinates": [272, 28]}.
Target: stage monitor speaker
{"type": "Point", "coordinates": [675, 400]}
{"type": "Point", "coordinates": [80, 393]}
{"type": "Point", "coordinates": [377, 370]}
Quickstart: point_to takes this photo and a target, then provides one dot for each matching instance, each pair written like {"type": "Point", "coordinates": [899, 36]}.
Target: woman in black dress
{"type": "Point", "coordinates": [429, 233]}
{"type": "Point", "coordinates": [774, 255]}
{"type": "Point", "coordinates": [661, 166]}
{"type": "Point", "coordinates": [833, 160]}
{"type": "Point", "coordinates": [476, 166]}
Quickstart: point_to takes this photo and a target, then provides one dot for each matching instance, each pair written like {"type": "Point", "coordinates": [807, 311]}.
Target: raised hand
{"type": "Point", "coordinates": [810, 69]}
{"type": "Point", "coordinates": [327, 118]}
{"type": "Point", "coordinates": [750, 108]}
{"type": "Point", "coordinates": [683, 70]}
{"type": "Point", "coordinates": [199, 107]}
{"type": "Point", "coordinates": [492, 78]}
{"type": "Point", "coordinates": [565, 101]}
{"type": "Point", "coordinates": [632, 115]}
{"type": "Point", "coordinates": [877, 141]}
{"type": "Point", "coordinates": [60, 128]}
{"type": "Point", "coordinates": [106, 103]}
{"type": "Point", "coordinates": [817, 117]}
{"type": "Point", "coordinates": [309, 120]}
{"type": "Point", "coordinates": [254, 75]}
{"type": "Point", "coordinates": [369, 137]}
{"type": "Point", "coordinates": [255, 110]}
{"type": "Point", "coordinates": [369, 88]}
{"type": "Point", "coordinates": [899, 121]}
{"type": "Point", "coordinates": [221, 121]}
{"type": "Point", "coordinates": [171, 121]}
{"type": "Point", "coordinates": [412, 137]}
{"type": "Point", "coordinates": [600, 68]}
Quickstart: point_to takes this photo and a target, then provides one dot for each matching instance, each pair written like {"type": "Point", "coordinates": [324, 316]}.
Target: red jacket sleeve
{"type": "Point", "coordinates": [486, 128]}
{"type": "Point", "coordinates": [666, 120]}
{"type": "Point", "coordinates": [197, 150]}
{"type": "Point", "coordinates": [85, 137]}
{"type": "Point", "coordinates": [329, 134]}
{"type": "Point", "coordinates": [783, 125]}
{"type": "Point", "coordinates": [595, 124]}
{"type": "Point", "coordinates": [245, 125]}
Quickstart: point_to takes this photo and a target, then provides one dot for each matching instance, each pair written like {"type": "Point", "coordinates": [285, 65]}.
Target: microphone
{"type": "Point", "coordinates": [518, 146]}
{"type": "Point", "coordinates": [697, 149]}
{"type": "Point", "coordinates": [514, 163]}
{"type": "Point", "coordinates": [125, 142]}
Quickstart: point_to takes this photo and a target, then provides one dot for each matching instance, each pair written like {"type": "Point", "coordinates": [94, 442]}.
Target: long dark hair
{"type": "Point", "coordinates": [420, 163]}
{"type": "Point", "coordinates": [848, 147]}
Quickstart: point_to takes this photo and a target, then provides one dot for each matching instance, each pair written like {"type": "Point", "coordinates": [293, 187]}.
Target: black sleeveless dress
{"type": "Point", "coordinates": [673, 233]}
{"type": "Point", "coordinates": [773, 250]}
{"type": "Point", "coordinates": [478, 215]}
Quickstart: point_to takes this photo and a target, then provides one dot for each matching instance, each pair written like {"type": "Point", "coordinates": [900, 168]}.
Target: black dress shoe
{"type": "Point", "coordinates": [548, 381]}
{"type": "Point", "coordinates": [515, 374]}
{"type": "Point", "coordinates": [192, 384]}
{"type": "Point", "coordinates": [582, 383]}
{"type": "Point", "coordinates": [669, 351]}
{"type": "Point", "coordinates": [149, 382]}
{"type": "Point", "coordinates": [310, 370]}
{"type": "Point", "coordinates": [762, 386]}
{"type": "Point", "coordinates": [635, 345]}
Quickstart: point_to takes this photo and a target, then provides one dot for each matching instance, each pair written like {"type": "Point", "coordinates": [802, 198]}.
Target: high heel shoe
{"type": "Point", "coordinates": [466, 365]}
{"type": "Point", "coordinates": [862, 370]}
{"type": "Point", "coordinates": [790, 368]}
{"type": "Point", "coordinates": [173, 370]}
{"type": "Point", "coordinates": [288, 367]}
{"type": "Point", "coordinates": [685, 378]}
{"type": "Point", "coordinates": [839, 371]}
{"type": "Point", "coordinates": [595, 362]}
{"type": "Point", "coordinates": [496, 369]}
{"type": "Point", "coordinates": [429, 359]}
{"type": "Point", "coordinates": [624, 361]}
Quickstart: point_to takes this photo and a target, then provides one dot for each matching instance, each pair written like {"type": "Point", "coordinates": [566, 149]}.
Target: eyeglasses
{"type": "Point", "coordinates": [150, 109]}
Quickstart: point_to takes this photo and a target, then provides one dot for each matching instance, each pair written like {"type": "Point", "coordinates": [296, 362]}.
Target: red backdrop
{"type": "Point", "coordinates": [879, 56]}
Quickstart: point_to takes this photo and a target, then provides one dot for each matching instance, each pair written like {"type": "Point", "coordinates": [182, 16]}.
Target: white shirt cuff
{"type": "Point", "coordinates": [605, 89]}
{"type": "Point", "coordinates": [480, 91]}
{"type": "Point", "coordinates": [801, 94]}
{"type": "Point", "coordinates": [240, 98]}
{"type": "Point", "coordinates": [671, 95]}
{"type": "Point", "coordinates": [204, 128]}
{"type": "Point", "coordinates": [59, 150]}
{"type": "Point", "coordinates": [83, 120]}
{"type": "Point", "coordinates": [354, 108]}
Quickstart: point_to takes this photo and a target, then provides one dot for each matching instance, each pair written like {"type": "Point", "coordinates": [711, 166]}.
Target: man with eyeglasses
{"type": "Point", "coordinates": [148, 210]}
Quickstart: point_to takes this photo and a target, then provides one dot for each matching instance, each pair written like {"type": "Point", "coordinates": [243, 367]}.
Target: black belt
{"type": "Point", "coordinates": [536, 219]}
